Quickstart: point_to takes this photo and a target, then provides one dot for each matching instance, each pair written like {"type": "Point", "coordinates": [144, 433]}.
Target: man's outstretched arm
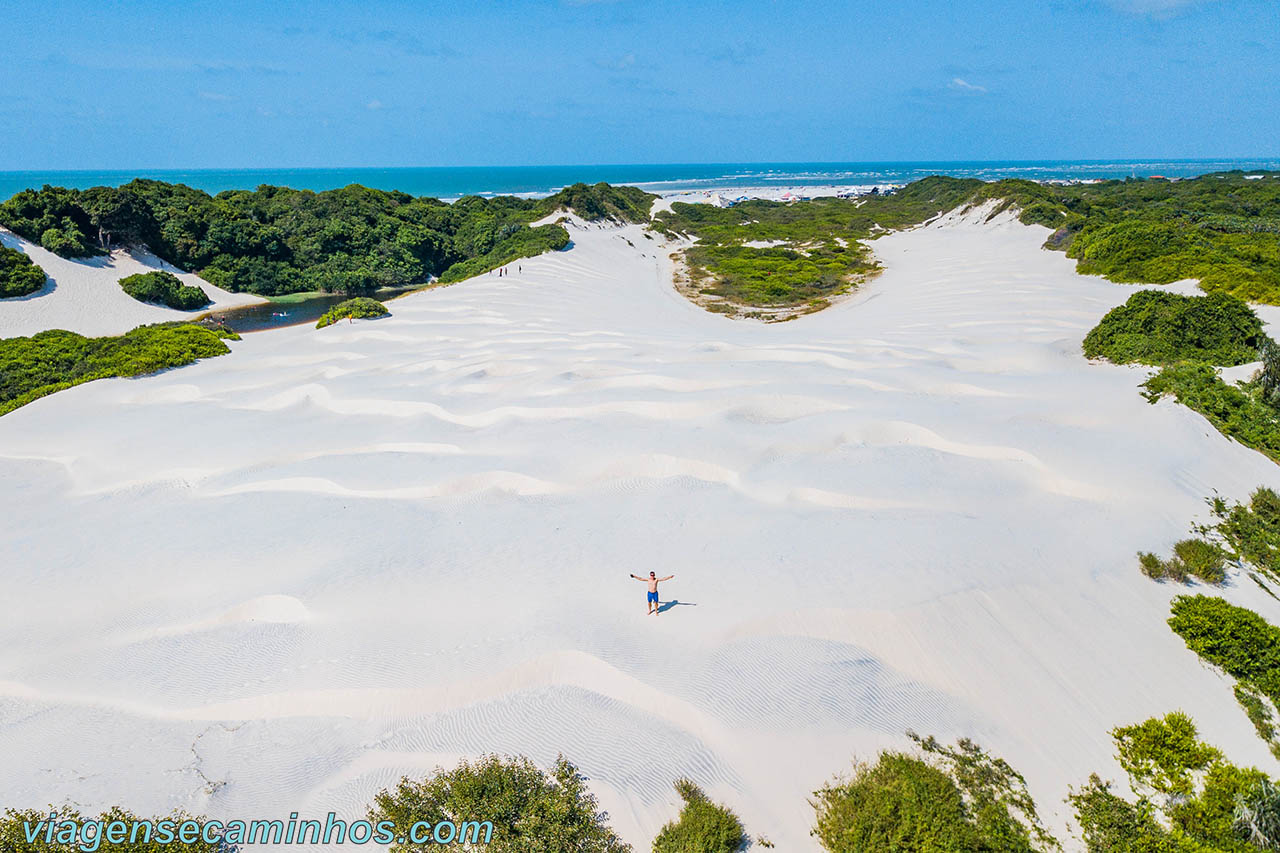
{"type": "Point", "coordinates": [667, 578]}
{"type": "Point", "coordinates": [637, 577]}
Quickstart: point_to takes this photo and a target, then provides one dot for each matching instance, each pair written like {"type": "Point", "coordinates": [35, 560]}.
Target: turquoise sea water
{"type": "Point", "coordinates": [451, 182]}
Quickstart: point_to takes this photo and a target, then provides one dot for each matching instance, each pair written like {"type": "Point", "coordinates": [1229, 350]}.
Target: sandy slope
{"type": "Point", "coordinates": [278, 580]}
{"type": "Point", "coordinates": [84, 296]}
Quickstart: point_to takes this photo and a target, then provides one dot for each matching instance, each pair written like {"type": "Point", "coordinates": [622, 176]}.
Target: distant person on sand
{"type": "Point", "coordinates": [653, 580]}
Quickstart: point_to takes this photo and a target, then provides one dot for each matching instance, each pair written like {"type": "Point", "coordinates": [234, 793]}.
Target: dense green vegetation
{"type": "Point", "coordinates": [945, 800]}
{"type": "Point", "coordinates": [530, 810]}
{"type": "Point", "coordinates": [164, 288]}
{"type": "Point", "coordinates": [1161, 328]}
{"type": "Point", "coordinates": [362, 307]}
{"type": "Point", "coordinates": [1191, 799]}
{"type": "Point", "coordinates": [100, 833]}
{"type": "Point", "coordinates": [1234, 639]}
{"type": "Point", "coordinates": [275, 240]}
{"type": "Point", "coordinates": [1242, 644]}
{"type": "Point", "coordinates": [818, 254]}
{"type": "Point", "coordinates": [1238, 411]}
{"type": "Point", "coordinates": [51, 361]}
{"type": "Point", "coordinates": [18, 275]}
{"type": "Point", "coordinates": [601, 201]}
{"type": "Point", "coordinates": [703, 826]}
{"type": "Point", "coordinates": [1220, 228]}
{"type": "Point", "coordinates": [776, 275]}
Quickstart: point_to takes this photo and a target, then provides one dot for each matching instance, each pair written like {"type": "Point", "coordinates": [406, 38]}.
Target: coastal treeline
{"type": "Point", "coordinates": [275, 240]}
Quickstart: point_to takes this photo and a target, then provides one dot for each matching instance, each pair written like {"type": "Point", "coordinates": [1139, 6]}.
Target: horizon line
{"type": "Point", "coordinates": [1097, 160]}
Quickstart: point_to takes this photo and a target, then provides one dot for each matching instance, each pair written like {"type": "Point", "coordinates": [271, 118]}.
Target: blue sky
{"type": "Point", "coordinates": [232, 83]}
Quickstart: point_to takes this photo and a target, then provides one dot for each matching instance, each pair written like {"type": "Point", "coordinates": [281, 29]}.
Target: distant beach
{"type": "Point", "coordinates": [761, 179]}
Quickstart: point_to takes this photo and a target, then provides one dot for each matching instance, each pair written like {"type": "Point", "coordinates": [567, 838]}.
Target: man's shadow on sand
{"type": "Point", "coordinates": [667, 605]}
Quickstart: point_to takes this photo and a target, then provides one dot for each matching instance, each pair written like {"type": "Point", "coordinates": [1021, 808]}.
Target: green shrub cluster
{"type": "Point", "coordinates": [1237, 411]}
{"type": "Point", "coordinates": [1161, 328]}
{"type": "Point", "coordinates": [777, 275]}
{"type": "Point", "coordinates": [530, 810]}
{"type": "Point", "coordinates": [1235, 639]}
{"type": "Point", "coordinates": [601, 201]}
{"type": "Point", "coordinates": [1192, 558]}
{"type": "Point", "coordinates": [1252, 530]}
{"type": "Point", "coordinates": [18, 275]}
{"type": "Point", "coordinates": [703, 826]}
{"type": "Point", "coordinates": [1242, 644]}
{"type": "Point", "coordinates": [1197, 790]}
{"type": "Point", "coordinates": [72, 832]}
{"type": "Point", "coordinates": [1218, 228]}
{"type": "Point", "coordinates": [51, 361]}
{"type": "Point", "coordinates": [947, 800]}
{"type": "Point", "coordinates": [819, 254]}
{"type": "Point", "coordinates": [362, 307]}
{"type": "Point", "coordinates": [164, 288]}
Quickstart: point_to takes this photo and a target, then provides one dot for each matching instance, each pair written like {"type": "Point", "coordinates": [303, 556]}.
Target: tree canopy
{"type": "Point", "coordinates": [164, 288]}
{"type": "Point", "coordinates": [19, 276]}
{"type": "Point", "coordinates": [531, 811]}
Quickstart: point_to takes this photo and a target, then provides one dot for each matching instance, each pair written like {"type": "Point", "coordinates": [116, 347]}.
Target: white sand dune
{"type": "Point", "coordinates": [279, 580]}
{"type": "Point", "coordinates": [84, 295]}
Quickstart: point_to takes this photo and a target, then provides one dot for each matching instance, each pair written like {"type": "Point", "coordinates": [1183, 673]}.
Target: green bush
{"type": "Point", "coordinates": [529, 810]}
{"type": "Point", "coordinates": [115, 822]}
{"type": "Point", "coordinates": [1191, 558]}
{"type": "Point", "coordinates": [1259, 712]}
{"type": "Point", "coordinates": [55, 360]}
{"type": "Point", "coordinates": [18, 275]}
{"type": "Point", "coordinates": [164, 288]}
{"type": "Point", "coordinates": [703, 827]}
{"type": "Point", "coordinates": [1252, 530]}
{"type": "Point", "coordinates": [1161, 328]}
{"type": "Point", "coordinates": [900, 803]}
{"type": "Point", "coordinates": [69, 243]}
{"type": "Point", "coordinates": [1234, 639]}
{"type": "Point", "coordinates": [1199, 790]}
{"type": "Point", "coordinates": [949, 799]}
{"type": "Point", "coordinates": [362, 307]}
{"type": "Point", "coordinates": [1162, 754]}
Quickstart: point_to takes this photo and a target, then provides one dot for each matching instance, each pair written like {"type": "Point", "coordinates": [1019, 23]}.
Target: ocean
{"type": "Point", "coordinates": [452, 182]}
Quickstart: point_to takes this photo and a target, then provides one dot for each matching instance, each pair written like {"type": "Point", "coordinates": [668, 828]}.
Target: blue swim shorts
{"type": "Point", "coordinates": [653, 596]}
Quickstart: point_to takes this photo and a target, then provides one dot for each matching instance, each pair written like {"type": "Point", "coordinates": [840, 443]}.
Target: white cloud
{"type": "Point", "coordinates": [962, 85]}
{"type": "Point", "coordinates": [375, 104]}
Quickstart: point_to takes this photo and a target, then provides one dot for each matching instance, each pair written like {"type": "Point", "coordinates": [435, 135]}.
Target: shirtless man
{"type": "Point", "coordinates": [653, 580]}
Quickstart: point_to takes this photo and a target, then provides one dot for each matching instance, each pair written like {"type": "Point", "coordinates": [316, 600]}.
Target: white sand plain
{"type": "Point", "coordinates": [278, 580]}
{"type": "Point", "coordinates": [84, 295]}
